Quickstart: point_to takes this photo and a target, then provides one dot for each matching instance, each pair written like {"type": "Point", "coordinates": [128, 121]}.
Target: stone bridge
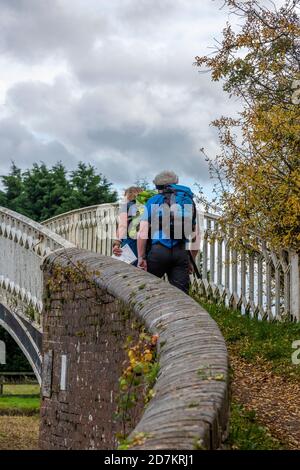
{"type": "Point", "coordinates": [70, 307]}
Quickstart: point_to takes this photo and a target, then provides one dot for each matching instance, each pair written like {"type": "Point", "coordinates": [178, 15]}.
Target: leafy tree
{"type": "Point", "coordinates": [44, 191]}
{"type": "Point", "coordinates": [258, 168]}
{"type": "Point", "coordinates": [88, 188]}
{"type": "Point", "coordinates": [3, 201]}
{"type": "Point", "coordinates": [13, 187]}
{"type": "Point", "coordinates": [41, 192]}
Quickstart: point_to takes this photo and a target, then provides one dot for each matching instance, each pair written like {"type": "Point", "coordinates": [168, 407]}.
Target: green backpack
{"type": "Point", "coordinates": [140, 201]}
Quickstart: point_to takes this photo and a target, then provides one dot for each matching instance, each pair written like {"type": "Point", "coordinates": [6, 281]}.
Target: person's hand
{"type": "Point", "coordinates": [142, 264]}
{"type": "Point", "coordinates": [117, 250]}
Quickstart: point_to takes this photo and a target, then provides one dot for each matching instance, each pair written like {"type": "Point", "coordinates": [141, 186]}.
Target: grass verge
{"type": "Point", "coordinates": [258, 340]}
{"type": "Point", "coordinates": [245, 433]}
{"type": "Point", "coordinates": [20, 400]}
{"type": "Point", "coordinates": [264, 379]}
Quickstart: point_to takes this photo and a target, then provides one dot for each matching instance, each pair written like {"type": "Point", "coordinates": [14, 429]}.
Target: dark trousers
{"type": "Point", "coordinates": [171, 261]}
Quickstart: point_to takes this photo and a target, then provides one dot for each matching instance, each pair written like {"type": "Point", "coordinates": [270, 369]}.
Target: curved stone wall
{"type": "Point", "coordinates": [190, 406]}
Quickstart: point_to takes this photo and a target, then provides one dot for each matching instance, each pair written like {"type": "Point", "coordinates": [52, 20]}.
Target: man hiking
{"type": "Point", "coordinates": [168, 222]}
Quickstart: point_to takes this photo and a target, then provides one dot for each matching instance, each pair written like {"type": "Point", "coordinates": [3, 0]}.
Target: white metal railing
{"type": "Point", "coordinates": [92, 228]}
{"type": "Point", "coordinates": [23, 244]}
{"type": "Point", "coordinates": [262, 283]}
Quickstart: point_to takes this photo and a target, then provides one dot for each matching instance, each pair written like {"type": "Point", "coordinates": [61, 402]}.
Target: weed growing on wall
{"type": "Point", "coordinates": [139, 375]}
{"type": "Point", "coordinates": [76, 273]}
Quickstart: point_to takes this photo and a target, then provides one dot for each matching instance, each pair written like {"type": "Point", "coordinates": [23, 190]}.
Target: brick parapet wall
{"type": "Point", "coordinates": [190, 406]}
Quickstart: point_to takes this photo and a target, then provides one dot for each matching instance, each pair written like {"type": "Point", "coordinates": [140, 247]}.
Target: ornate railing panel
{"type": "Point", "coordinates": [23, 245]}
{"type": "Point", "coordinates": [92, 228]}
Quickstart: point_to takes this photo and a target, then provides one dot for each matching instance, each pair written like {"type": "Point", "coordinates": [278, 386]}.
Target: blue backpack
{"type": "Point", "coordinates": [182, 211]}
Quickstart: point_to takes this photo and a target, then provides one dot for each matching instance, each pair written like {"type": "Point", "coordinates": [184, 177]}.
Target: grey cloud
{"type": "Point", "coordinates": [150, 42]}
{"type": "Point", "coordinates": [144, 9]}
{"type": "Point", "coordinates": [37, 29]}
{"type": "Point", "coordinates": [38, 99]}
{"type": "Point", "coordinates": [100, 42]}
{"type": "Point", "coordinates": [131, 103]}
{"type": "Point", "coordinates": [19, 145]}
{"type": "Point", "coordinates": [131, 152]}
{"type": "Point", "coordinates": [130, 124]}
{"type": "Point", "coordinates": [146, 15]}
{"type": "Point", "coordinates": [122, 62]}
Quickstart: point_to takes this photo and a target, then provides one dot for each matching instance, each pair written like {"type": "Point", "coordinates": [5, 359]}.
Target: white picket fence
{"type": "Point", "coordinates": [262, 283]}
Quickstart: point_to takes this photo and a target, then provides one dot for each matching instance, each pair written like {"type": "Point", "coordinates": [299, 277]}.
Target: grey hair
{"type": "Point", "coordinates": [165, 177]}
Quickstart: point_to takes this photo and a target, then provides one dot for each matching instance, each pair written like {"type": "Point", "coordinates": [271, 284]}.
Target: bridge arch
{"type": "Point", "coordinates": [27, 337]}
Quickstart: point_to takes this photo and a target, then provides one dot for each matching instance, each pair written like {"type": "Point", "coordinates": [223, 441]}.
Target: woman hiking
{"type": "Point", "coordinates": [129, 219]}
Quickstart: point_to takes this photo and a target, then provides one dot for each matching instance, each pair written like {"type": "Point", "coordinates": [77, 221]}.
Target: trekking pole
{"type": "Point", "coordinates": [196, 270]}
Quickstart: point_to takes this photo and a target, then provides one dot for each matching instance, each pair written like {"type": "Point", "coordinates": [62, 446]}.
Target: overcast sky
{"type": "Point", "coordinates": [110, 82]}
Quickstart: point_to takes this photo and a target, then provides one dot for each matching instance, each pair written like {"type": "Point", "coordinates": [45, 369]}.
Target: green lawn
{"type": "Point", "coordinates": [20, 398]}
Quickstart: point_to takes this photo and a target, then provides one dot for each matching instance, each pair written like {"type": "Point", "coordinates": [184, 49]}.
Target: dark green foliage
{"type": "Point", "coordinates": [3, 201]}
{"type": "Point", "coordinates": [15, 359]}
{"type": "Point", "coordinates": [88, 188]}
{"type": "Point", "coordinates": [12, 188]}
{"type": "Point", "coordinates": [42, 192]}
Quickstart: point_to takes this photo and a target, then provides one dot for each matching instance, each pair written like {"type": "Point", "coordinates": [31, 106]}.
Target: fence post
{"type": "Point", "coordinates": [295, 285]}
